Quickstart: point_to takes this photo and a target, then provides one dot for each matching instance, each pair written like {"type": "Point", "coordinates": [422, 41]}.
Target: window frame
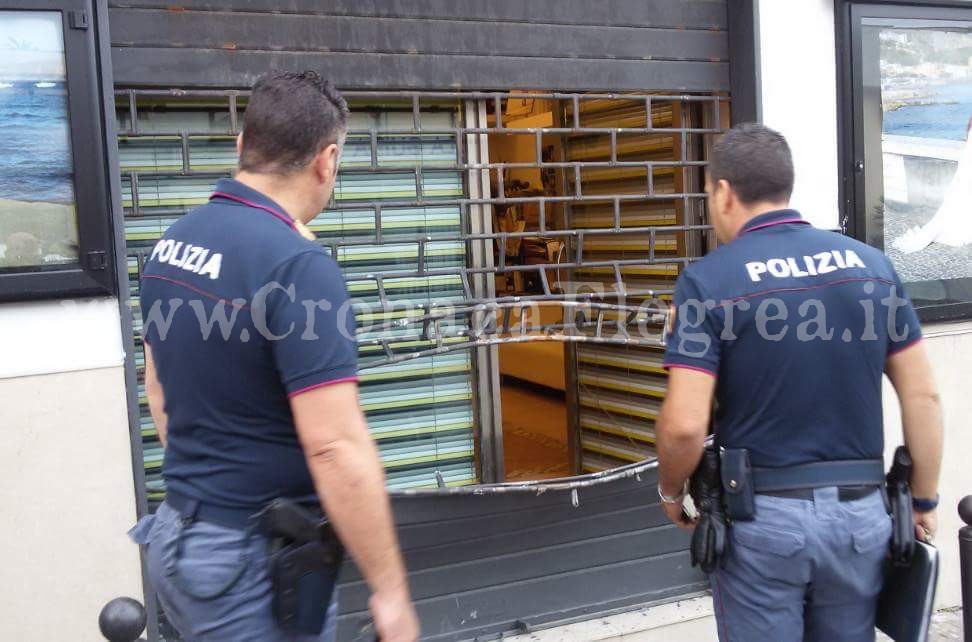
{"type": "Point", "coordinates": [94, 271]}
{"type": "Point", "coordinates": [853, 145]}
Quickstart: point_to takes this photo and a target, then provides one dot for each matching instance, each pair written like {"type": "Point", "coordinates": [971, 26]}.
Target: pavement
{"type": "Point", "coordinates": [946, 625]}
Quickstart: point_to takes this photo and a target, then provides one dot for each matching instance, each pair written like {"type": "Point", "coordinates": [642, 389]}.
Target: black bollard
{"type": "Point", "coordinates": [965, 560]}
{"type": "Point", "coordinates": [122, 620]}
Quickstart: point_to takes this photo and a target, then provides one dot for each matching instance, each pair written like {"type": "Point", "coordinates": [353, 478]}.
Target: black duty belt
{"type": "Point", "coordinates": [819, 474]}
{"type": "Point", "coordinates": [189, 508]}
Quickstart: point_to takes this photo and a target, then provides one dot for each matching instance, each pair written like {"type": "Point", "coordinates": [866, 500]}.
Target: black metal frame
{"type": "Point", "coordinates": [744, 62]}
{"type": "Point", "coordinates": [94, 273]}
{"type": "Point", "coordinates": [853, 147]}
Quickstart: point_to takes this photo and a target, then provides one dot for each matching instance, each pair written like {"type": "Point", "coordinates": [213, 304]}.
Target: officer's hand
{"type": "Point", "coordinates": [676, 513]}
{"type": "Point", "coordinates": [394, 616]}
{"type": "Point", "coordinates": [926, 524]}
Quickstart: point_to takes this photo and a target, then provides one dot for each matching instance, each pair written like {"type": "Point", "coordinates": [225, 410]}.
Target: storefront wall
{"type": "Point", "coordinates": [66, 483]}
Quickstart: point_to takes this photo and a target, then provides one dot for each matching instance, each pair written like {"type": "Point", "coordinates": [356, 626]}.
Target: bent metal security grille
{"type": "Point", "coordinates": [464, 220]}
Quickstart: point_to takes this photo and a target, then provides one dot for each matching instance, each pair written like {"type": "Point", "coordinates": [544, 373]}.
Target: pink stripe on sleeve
{"type": "Point", "coordinates": [895, 349]}
{"type": "Point", "coordinates": [669, 366]}
{"type": "Point", "coordinates": [332, 382]}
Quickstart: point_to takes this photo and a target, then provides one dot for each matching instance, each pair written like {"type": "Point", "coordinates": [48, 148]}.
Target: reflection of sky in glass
{"type": "Point", "coordinates": [31, 46]}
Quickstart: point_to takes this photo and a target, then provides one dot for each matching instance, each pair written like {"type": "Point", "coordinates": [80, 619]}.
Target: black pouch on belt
{"type": "Point", "coordinates": [710, 539]}
{"type": "Point", "coordinates": [305, 559]}
{"type": "Point", "coordinates": [737, 484]}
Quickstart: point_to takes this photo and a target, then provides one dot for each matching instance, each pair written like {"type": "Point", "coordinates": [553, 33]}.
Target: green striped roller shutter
{"type": "Point", "coordinates": [420, 411]}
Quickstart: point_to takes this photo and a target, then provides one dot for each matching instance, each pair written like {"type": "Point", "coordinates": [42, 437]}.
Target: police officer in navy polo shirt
{"type": "Point", "coordinates": [790, 329]}
{"type": "Point", "coordinates": [250, 363]}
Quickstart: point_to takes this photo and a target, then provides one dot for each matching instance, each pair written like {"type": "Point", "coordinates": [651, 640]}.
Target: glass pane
{"type": "Point", "coordinates": [38, 225]}
{"type": "Point", "coordinates": [918, 153]}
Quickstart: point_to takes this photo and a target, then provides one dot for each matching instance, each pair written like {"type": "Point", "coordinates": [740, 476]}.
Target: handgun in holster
{"type": "Point", "coordinates": [899, 502]}
{"type": "Point", "coordinates": [710, 540]}
{"type": "Point", "coordinates": [305, 559]}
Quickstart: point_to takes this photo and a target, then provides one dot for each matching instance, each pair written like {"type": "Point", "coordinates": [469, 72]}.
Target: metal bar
{"type": "Point", "coordinates": [466, 167]}
{"type": "Point", "coordinates": [132, 113]}
{"type": "Point", "coordinates": [421, 256]}
{"type": "Point", "coordinates": [379, 232]}
{"type": "Point", "coordinates": [184, 140]}
{"type": "Point", "coordinates": [373, 140]}
{"type": "Point", "coordinates": [468, 95]}
{"type": "Point", "coordinates": [382, 295]}
{"type": "Point", "coordinates": [419, 184]}
{"type": "Point", "coordinates": [416, 114]}
{"type": "Point", "coordinates": [543, 279]}
{"type": "Point", "coordinates": [539, 150]}
{"type": "Point", "coordinates": [523, 131]}
{"type": "Point", "coordinates": [233, 114]}
{"type": "Point", "coordinates": [133, 185]}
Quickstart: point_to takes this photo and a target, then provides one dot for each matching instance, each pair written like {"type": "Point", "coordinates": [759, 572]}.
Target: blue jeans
{"type": "Point", "coordinates": [211, 556]}
{"type": "Point", "coordinates": [804, 570]}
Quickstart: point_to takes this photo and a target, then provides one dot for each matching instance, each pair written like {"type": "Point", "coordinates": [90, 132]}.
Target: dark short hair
{"type": "Point", "coordinates": [289, 119]}
{"type": "Point", "coordinates": [755, 161]}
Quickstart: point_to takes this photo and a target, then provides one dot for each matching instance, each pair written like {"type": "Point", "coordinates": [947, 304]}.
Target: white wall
{"type": "Point", "coordinates": [66, 485]}
{"type": "Point", "coordinates": [799, 87]}
{"type": "Point", "coordinates": [799, 97]}
{"type": "Point", "coordinates": [950, 350]}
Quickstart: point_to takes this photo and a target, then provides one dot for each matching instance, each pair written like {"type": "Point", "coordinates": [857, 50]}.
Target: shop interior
{"type": "Point", "coordinates": [568, 410]}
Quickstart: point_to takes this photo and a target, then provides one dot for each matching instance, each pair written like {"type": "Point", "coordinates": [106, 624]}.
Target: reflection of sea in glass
{"type": "Point", "coordinates": [926, 101]}
{"type": "Point", "coordinates": [37, 202]}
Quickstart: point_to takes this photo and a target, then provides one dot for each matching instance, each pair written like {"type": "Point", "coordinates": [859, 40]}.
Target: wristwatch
{"type": "Point", "coordinates": [677, 499]}
{"type": "Point", "coordinates": [924, 505]}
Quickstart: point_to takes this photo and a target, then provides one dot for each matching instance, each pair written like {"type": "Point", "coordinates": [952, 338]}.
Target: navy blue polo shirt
{"type": "Point", "coordinates": [241, 313]}
{"type": "Point", "coordinates": [796, 324]}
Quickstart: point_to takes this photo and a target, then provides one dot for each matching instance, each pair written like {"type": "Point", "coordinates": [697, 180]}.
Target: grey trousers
{"type": "Point", "coordinates": [803, 570]}
{"type": "Point", "coordinates": [211, 556]}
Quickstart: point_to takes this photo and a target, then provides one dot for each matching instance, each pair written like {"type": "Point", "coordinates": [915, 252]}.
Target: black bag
{"type": "Point", "coordinates": [305, 559]}
{"type": "Point", "coordinates": [710, 540]}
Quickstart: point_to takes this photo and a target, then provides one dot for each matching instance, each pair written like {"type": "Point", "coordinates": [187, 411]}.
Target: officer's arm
{"type": "Point", "coordinates": [682, 426]}
{"type": "Point", "coordinates": [350, 480]}
{"type": "Point", "coordinates": [156, 398]}
{"type": "Point", "coordinates": [921, 415]}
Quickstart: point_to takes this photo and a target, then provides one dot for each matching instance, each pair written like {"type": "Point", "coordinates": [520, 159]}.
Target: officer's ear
{"type": "Point", "coordinates": [239, 145]}
{"type": "Point", "coordinates": [326, 163]}
{"type": "Point", "coordinates": [722, 194]}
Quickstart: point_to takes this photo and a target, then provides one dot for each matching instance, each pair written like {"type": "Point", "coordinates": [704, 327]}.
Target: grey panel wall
{"type": "Point", "coordinates": [426, 44]}
{"type": "Point", "coordinates": [483, 565]}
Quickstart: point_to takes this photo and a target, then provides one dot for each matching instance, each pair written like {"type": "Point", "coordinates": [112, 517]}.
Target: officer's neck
{"type": "Point", "coordinates": [287, 192]}
{"type": "Point", "coordinates": [746, 213]}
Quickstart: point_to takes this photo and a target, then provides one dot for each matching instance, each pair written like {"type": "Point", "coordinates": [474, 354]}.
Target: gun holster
{"type": "Point", "coordinates": [305, 559]}
{"type": "Point", "coordinates": [899, 504]}
{"type": "Point", "coordinates": [710, 540]}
